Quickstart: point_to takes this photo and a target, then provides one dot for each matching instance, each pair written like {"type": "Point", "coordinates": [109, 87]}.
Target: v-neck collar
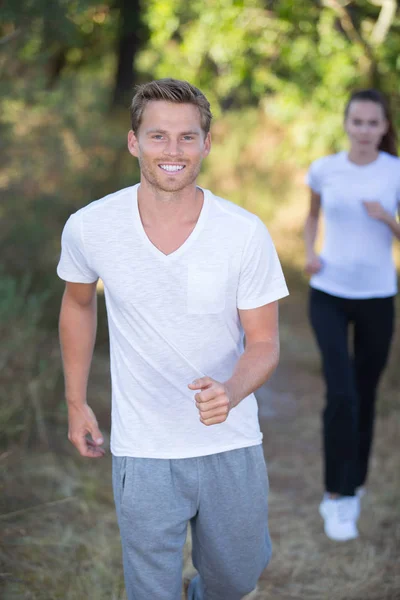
{"type": "Point", "coordinates": [189, 240]}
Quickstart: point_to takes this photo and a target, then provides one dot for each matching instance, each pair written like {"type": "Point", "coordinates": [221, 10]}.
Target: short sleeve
{"type": "Point", "coordinates": [73, 265]}
{"type": "Point", "coordinates": [261, 278]}
{"type": "Point", "coordinates": [314, 176]}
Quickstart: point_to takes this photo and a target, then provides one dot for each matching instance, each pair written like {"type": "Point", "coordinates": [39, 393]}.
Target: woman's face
{"type": "Point", "coordinates": [365, 125]}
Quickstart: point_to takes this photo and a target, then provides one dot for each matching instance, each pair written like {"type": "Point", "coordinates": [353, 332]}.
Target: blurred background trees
{"type": "Point", "coordinates": [277, 73]}
{"type": "Point", "coordinates": [236, 50]}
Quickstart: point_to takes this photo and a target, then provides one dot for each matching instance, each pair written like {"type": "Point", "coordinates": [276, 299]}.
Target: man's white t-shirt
{"type": "Point", "coordinates": [357, 251]}
{"type": "Point", "coordinates": [173, 318]}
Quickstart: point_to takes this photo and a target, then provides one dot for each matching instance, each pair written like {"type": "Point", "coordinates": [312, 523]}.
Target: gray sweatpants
{"type": "Point", "coordinates": [223, 496]}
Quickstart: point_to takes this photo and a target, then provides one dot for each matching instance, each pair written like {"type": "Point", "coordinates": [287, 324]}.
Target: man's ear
{"type": "Point", "coordinates": [207, 145]}
{"type": "Point", "coordinates": [133, 144]}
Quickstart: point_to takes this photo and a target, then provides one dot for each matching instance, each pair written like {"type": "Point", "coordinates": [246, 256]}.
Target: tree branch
{"type": "Point", "coordinates": [385, 19]}
{"type": "Point", "coordinates": [348, 27]}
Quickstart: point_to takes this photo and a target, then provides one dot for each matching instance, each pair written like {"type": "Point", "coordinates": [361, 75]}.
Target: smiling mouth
{"type": "Point", "coordinates": [171, 168]}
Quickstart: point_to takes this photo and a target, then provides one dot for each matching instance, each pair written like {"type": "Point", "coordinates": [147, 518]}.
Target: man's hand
{"type": "Point", "coordinates": [213, 401]}
{"type": "Point", "coordinates": [82, 422]}
{"type": "Point", "coordinates": [376, 211]}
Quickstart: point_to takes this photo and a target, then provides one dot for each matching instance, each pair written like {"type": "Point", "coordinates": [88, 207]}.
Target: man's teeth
{"type": "Point", "coordinates": [172, 168]}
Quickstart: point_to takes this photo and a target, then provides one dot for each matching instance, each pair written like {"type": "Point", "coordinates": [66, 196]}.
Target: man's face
{"type": "Point", "coordinates": [170, 145]}
{"type": "Point", "coordinates": [365, 124]}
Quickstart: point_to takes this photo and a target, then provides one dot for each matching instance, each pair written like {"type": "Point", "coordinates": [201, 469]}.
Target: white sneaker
{"type": "Point", "coordinates": [340, 516]}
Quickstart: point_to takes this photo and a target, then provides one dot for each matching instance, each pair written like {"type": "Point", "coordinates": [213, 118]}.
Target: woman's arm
{"type": "Point", "coordinates": [313, 262]}
{"type": "Point", "coordinates": [376, 211]}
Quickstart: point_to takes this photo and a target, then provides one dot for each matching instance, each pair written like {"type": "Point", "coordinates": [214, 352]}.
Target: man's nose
{"type": "Point", "coordinates": [173, 148]}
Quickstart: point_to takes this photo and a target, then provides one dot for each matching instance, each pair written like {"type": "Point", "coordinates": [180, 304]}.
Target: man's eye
{"type": "Point", "coordinates": [357, 122]}
{"type": "Point", "coordinates": [187, 138]}
{"type": "Point", "coordinates": [157, 137]}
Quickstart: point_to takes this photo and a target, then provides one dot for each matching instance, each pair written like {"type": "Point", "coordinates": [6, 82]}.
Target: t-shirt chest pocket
{"type": "Point", "coordinates": [206, 289]}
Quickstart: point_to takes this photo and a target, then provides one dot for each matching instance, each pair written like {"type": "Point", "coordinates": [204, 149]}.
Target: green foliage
{"type": "Point", "coordinates": [238, 51]}
{"type": "Point", "coordinates": [300, 60]}
{"type": "Point", "coordinates": [41, 40]}
{"type": "Point", "coordinates": [29, 365]}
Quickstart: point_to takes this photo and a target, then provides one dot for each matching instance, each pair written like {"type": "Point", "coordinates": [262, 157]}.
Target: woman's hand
{"type": "Point", "coordinates": [313, 264]}
{"type": "Point", "coordinates": [376, 211]}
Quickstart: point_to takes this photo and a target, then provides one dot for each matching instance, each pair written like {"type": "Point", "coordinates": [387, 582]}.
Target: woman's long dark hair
{"type": "Point", "coordinates": [389, 141]}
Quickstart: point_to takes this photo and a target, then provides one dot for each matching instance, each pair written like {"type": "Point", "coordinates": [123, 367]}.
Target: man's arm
{"type": "Point", "coordinates": [78, 324]}
{"type": "Point", "coordinates": [255, 366]}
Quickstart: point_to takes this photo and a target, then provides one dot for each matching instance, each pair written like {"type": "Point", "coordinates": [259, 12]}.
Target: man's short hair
{"type": "Point", "coordinates": [169, 90]}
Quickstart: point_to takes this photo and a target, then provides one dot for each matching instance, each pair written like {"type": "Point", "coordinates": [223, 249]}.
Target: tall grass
{"type": "Point", "coordinates": [29, 364]}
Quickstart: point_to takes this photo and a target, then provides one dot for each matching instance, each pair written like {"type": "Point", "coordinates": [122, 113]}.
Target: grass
{"type": "Point", "coordinates": [66, 547]}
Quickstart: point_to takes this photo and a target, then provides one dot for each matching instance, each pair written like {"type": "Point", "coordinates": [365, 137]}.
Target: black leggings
{"type": "Point", "coordinates": [351, 381]}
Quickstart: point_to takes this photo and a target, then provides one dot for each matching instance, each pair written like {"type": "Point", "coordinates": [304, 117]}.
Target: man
{"type": "Point", "coordinates": [185, 275]}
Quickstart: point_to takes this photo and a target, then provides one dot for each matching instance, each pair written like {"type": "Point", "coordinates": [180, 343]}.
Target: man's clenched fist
{"type": "Point", "coordinates": [212, 401]}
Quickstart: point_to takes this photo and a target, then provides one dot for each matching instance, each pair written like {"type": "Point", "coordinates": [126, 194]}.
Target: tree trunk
{"type": "Point", "coordinates": [133, 34]}
{"type": "Point", "coordinates": [55, 65]}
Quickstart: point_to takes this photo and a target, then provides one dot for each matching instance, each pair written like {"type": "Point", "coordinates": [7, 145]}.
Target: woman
{"type": "Point", "coordinates": [353, 283]}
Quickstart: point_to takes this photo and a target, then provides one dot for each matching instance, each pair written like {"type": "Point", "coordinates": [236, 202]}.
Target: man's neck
{"type": "Point", "coordinates": [159, 208]}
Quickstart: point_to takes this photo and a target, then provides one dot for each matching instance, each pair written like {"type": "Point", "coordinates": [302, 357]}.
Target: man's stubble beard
{"type": "Point", "coordinates": [175, 186]}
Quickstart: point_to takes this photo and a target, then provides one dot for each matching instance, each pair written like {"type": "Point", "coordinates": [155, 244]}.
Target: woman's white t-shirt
{"type": "Point", "coordinates": [173, 318]}
{"type": "Point", "coordinates": [357, 251]}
